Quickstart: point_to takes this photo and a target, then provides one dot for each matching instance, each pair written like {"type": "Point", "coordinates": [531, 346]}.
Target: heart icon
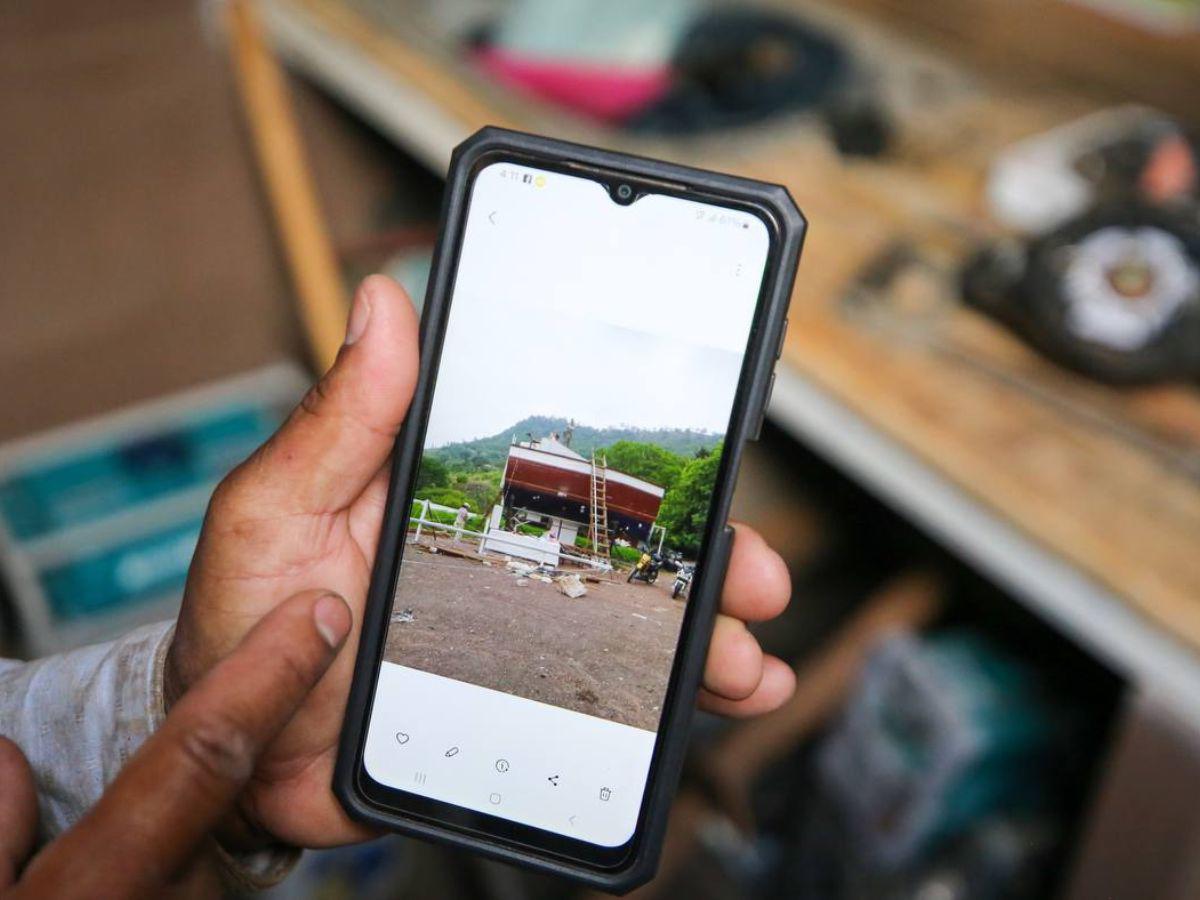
{"type": "Point", "coordinates": [401, 737]}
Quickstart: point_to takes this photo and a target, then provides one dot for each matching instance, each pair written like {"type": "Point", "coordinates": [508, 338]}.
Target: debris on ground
{"type": "Point", "coordinates": [460, 553]}
{"type": "Point", "coordinates": [571, 586]}
{"type": "Point", "coordinates": [545, 579]}
{"type": "Point", "coordinates": [640, 616]}
{"type": "Point", "coordinates": [404, 616]}
{"type": "Point", "coordinates": [519, 568]}
{"type": "Point", "coordinates": [587, 657]}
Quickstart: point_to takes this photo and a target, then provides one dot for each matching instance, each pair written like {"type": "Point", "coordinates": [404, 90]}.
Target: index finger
{"type": "Point", "coordinates": [184, 780]}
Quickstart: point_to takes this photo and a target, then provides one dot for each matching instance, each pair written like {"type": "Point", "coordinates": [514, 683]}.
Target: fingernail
{"type": "Point", "coordinates": [332, 618]}
{"type": "Point", "coordinates": [360, 315]}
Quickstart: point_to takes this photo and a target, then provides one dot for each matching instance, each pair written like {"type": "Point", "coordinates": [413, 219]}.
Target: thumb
{"type": "Point", "coordinates": [18, 811]}
{"type": "Point", "coordinates": [342, 432]}
{"type": "Point", "coordinates": [184, 780]}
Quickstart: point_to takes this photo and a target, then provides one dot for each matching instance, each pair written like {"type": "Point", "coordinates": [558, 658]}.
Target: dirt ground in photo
{"type": "Point", "coordinates": [606, 654]}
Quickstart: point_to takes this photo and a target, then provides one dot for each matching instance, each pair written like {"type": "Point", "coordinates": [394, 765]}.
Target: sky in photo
{"type": "Point", "coordinates": [494, 374]}
{"type": "Point", "coordinates": [568, 304]}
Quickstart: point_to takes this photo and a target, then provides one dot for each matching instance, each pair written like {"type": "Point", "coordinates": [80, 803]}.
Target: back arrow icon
{"type": "Point", "coordinates": [492, 217]}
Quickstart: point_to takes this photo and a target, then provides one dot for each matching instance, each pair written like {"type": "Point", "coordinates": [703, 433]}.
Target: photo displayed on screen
{"type": "Point", "coordinates": [587, 378]}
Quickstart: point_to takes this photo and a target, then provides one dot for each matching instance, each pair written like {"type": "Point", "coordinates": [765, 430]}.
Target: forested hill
{"type": "Point", "coordinates": [491, 451]}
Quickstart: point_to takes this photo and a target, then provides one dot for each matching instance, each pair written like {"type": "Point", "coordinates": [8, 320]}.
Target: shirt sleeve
{"type": "Point", "coordinates": [80, 716]}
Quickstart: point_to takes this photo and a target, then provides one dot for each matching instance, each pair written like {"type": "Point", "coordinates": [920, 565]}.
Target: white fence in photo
{"type": "Point", "coordinates": [506, 543]}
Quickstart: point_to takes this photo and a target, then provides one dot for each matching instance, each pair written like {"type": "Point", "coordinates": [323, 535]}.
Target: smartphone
{"type": "Point", "coordinates": [598, 340]}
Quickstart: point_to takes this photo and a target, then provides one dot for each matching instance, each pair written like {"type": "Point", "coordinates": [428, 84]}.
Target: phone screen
{"type": "Point", "coordinates": [587, 377]}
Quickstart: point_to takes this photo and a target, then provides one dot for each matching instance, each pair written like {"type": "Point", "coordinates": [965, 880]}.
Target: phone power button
{"type": "Point", "coordinates": [762, 413]}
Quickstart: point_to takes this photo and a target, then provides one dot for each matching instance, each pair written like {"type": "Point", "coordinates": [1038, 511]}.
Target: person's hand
{"type": "Point", "coordinates": [143, 835]}
{"type": "Point", "coordinates": [305, 510]}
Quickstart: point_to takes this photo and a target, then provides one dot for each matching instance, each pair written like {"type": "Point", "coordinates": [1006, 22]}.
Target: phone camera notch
{"type": "Point", "coordinates": [623, 193]}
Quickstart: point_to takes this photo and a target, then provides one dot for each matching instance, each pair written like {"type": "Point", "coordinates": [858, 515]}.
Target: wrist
{"type": "Point", "coordinates": [172, 687]}
{"type": "Point", "coordinates": [239, 834]}
{"type": "Point", "coordinates": [178, 675]}
{"type": "Point", "coordinates": [251, 871]}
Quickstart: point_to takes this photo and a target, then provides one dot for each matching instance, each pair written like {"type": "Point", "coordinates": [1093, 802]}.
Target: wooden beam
{"type": "Point", "coordinates": [311, 260]}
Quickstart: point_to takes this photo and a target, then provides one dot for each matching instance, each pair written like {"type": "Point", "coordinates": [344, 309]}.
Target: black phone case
{"type": "Point", "coordinates": [749, 408]}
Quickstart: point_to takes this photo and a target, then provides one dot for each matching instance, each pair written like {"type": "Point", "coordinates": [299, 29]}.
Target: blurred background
{"type": "Point", "coordinates": [982, 461]}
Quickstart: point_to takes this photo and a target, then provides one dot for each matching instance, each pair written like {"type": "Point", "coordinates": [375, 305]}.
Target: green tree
{"type": "Point", "coordinates": [444, 496]}
{"type": "Point", "coordinates": [645, 461]}
{"type": "Point", "coordinates": [684, 509]}
{"type": "Point", "coordinates": [432, 473]}
{"type": "Point", "coordinates": [482, 489]}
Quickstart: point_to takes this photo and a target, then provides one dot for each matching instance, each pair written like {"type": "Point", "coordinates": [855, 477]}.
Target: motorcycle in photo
{"type": "Point", "coordinates": [647, 568]}
{"type": "Point", "coordinates": [683, 581]}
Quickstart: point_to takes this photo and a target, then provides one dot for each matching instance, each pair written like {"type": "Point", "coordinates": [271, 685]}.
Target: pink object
{"type": "Point", "coordinates": [1170, 173]}
{"type": "Point", "coordinates": [607, 93]}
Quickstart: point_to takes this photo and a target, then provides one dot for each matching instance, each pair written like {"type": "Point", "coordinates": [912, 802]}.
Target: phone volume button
{"type": "Point", "coordinates": [782, 338]}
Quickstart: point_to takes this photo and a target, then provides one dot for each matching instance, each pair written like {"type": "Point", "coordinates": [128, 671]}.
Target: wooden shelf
{"type": "Point", "coordinates": [1083, 501]}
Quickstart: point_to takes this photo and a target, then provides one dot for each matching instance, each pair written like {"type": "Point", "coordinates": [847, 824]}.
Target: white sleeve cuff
{"type": "Point", "coordinates": [80, 716]}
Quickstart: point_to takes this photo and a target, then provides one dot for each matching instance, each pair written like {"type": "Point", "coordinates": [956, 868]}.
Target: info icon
{"type": "Point", "coordinates": [502, 765]}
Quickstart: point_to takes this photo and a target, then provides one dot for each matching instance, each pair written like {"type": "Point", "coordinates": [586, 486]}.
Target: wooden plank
{"type": "Point", "coordinates": [293, 195]}
{"type": "Point", "coordinates": [1106, 506]}
{"type": "Point", "coordinates": [1037, 42]}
